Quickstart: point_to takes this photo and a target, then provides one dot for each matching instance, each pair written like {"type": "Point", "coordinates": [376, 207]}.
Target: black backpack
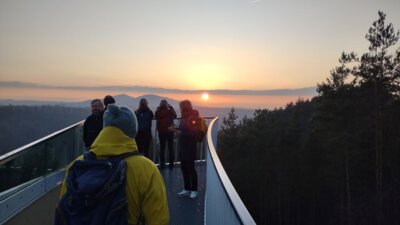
{"type": "Point", "coordinates": [198, 124]}
{"type": "Point", "coordinates": [95, 192]}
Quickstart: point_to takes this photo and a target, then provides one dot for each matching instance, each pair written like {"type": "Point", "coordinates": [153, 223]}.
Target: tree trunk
{"type": "Point", "coordinates": [279, 201]}
{"type": "Point", "coordinates": [348, 190]}
{"type": "Point", "coordinates": [378, 150]}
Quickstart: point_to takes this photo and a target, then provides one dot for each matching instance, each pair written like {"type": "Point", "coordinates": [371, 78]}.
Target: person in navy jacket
{"type": "Point", "coordinates": [144, 116]}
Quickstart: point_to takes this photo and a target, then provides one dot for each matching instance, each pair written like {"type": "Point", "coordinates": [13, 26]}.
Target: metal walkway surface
{"type": "Point", "coordinates": [183, 210]}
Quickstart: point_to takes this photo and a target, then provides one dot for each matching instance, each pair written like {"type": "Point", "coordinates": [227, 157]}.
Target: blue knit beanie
{"type": "Point", "coordinates": [121, 117]}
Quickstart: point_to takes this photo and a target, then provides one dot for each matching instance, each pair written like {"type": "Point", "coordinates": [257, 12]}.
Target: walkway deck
{"type": "Point", "coordinates": [183, 210]}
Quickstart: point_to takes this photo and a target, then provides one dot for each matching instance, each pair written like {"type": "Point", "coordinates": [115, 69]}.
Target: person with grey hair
{"type": "Point", "coordinates": [93, 123]}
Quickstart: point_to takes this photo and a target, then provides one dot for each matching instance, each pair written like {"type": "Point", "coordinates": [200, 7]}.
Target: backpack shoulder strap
{"type": "Point", "coordinates": [124, 155]}
{"type": "Point", "coordinates": [128, 154]}
{"type": "Point", "coordinates": [89, 155]}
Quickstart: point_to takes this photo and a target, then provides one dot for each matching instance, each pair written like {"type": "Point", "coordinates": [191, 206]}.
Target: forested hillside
{"type": "Point", "coordinates": [23, 124]}
{"type": "Point", "coordinates": [332, 160]}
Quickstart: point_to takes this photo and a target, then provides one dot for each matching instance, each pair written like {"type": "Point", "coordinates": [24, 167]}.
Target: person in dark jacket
{"type": "Point", "coordinates": [188, 132]}
{"type": "Point", "coordinates": [144, 116]}
{"type": "Point", "coordinates": [165, 116]}
{"type": "Point", "coordinates": [93, 123]}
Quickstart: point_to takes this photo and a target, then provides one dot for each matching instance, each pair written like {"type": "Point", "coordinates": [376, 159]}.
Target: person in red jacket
{"type": "Point", "coordinates": [165, 116]}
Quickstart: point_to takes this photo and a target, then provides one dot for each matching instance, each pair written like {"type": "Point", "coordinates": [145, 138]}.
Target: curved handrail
{"type": "Point", "coordinates": [14, 153]}
{"type": "Point", "coordinates": [236, 201]}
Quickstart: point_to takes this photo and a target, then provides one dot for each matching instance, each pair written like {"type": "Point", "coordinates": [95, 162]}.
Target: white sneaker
{"type": "Point", "coordinates": [184, 193]}
{"type": "Point", "coordinates": [193, 194]}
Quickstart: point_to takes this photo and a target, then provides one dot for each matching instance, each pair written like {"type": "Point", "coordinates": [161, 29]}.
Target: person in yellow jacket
{"type": "Point", "coordinates": [145, 189]}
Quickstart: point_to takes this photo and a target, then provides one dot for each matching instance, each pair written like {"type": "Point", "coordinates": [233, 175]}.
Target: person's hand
{"type": "Point", "coordinates": [172, 128]}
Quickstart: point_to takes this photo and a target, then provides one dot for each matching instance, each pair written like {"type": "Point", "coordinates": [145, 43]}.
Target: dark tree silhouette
{"type": "Point", "coordinates": [332, 160]}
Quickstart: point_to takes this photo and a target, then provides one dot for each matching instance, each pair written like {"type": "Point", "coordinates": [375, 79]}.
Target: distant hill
{"type": "Point", "coordinates": [132, 103]}
{"type": "Point", "coordinates": [121, 99]}
{"type": "Point", "coordinates": [306, 91]}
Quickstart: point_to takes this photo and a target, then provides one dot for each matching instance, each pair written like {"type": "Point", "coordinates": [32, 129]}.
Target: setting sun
{"type": "Point", "coordinates": [204, 96]}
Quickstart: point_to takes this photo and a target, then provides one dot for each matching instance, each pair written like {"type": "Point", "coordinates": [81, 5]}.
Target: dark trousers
{"type": "Point", "coordinates": [169, 138]}
{"type": "Point", "coordinates": [189, 175]}
{"type": "Point", "coordinates": [143, 140]}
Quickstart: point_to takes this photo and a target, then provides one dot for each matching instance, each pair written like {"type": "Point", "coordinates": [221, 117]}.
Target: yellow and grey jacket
{"type": "Point", "coordinates": [145, 189]}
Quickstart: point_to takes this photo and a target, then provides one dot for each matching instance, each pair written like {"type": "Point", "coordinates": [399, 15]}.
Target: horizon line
{"type": "Point", "coordinates": [282, 91]}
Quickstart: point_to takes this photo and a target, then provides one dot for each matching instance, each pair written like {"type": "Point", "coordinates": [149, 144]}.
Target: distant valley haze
{"type": "Point", "coordinates": [22, 93]}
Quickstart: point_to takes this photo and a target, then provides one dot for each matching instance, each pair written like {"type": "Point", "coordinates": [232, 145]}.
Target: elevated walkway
{"type": "Point", "coordinates": [30, 178]}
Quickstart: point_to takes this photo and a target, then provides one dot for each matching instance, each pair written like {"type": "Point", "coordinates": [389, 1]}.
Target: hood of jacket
{"type": "Point", "coordinates": [112, 141]}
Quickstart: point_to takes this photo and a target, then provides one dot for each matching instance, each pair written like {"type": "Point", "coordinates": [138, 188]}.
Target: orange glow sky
{"type": "Point", "coordinates": [235, 44]}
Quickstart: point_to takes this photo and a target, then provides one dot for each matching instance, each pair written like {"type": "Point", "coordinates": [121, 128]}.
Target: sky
{"type": "Point", "coordinates": [183, 44]}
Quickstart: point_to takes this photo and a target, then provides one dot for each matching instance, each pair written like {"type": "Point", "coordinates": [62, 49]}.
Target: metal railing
{"type": "Point", "coordinates": [222, 204]}
{"type": "Point", "coordinates": [29, 172]}
{"type": "Point", "coordinates": [40, 158]}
